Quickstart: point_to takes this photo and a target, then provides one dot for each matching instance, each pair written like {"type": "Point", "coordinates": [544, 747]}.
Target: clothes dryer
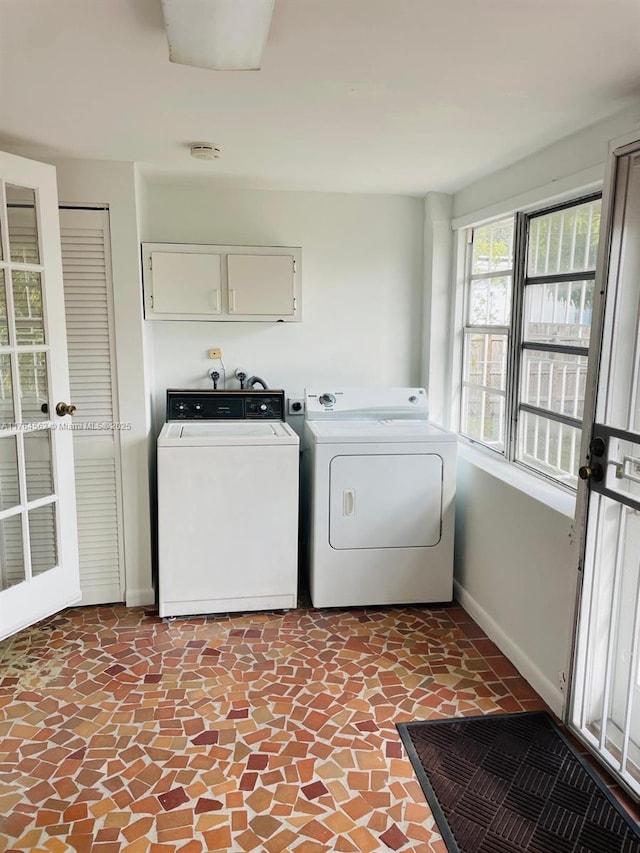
{"type": "Point", "coordinates": [380, 498]}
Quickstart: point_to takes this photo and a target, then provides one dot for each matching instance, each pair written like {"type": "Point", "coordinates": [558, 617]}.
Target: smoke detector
{"type": "Point", "coordinates": [204, 151]}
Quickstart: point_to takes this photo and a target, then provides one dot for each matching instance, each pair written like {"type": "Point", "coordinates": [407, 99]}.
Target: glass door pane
{"type": "Point", "coordinates": [43, 539]}
{"type": "Point", "coordinates": [9, 481]}
{"type": "Point", "coordinates": [12, 566]}
{"type": "Point", "coordinates": [4, 328]}
{"type": "Point", "coordinates": [22, 218]}
{"type": "Point", "coordinates": [27, 307]}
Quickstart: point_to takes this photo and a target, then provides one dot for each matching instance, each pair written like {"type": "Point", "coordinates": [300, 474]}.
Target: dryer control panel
{"type": "Point", "coordinates": [358, 403]}
{"type": "Point", "coordinates": [225, 405]}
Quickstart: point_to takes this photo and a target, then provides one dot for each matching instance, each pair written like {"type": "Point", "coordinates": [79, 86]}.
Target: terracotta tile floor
{"type": "Point", "coordinates": [270, 732]}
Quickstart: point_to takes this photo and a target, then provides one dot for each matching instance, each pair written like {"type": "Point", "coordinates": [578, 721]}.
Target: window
{"type": "Point", "coordinates": [528, 301]}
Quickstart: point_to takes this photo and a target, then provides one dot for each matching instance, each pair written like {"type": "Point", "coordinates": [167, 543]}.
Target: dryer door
{"type": "Point", "coordinates": [385, 501]}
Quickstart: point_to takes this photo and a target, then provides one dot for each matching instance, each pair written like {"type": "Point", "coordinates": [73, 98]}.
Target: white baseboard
{"type": "Point", "coordinates": [551, 693]}
{"type": "Point", "coordinates": [140, 597]}
{"type": "Point", "coordinates": [102, 595]}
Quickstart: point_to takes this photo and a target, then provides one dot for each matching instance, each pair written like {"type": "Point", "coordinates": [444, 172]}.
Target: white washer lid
{"type": "Point", "coordinates": [217, 433]}
{"type": "Point", "coordinates": [388, 430]}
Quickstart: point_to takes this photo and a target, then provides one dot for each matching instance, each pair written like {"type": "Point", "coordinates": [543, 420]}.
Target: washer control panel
{"type": "Point", "coordinates": [225, 405]}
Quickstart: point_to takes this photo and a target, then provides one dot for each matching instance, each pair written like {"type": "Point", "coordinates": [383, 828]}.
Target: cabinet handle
{"type": "Point", "coordinates": [348, 502]}
{"type": "Point", "coordinates": [232, 301]}
{"type": "Point", "coordinates": [216, 301]}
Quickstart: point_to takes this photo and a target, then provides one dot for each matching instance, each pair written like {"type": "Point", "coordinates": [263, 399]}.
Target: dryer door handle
{"type": "Point", "coordinates": [349, 502]}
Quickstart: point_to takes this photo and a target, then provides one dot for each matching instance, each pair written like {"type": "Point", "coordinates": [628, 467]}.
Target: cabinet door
{"type": "Point", "coordinates": [261, 284]}
{"type": "Point", "coordinates": [185, 283]}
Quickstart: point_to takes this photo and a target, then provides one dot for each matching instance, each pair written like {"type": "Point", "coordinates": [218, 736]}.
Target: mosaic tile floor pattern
{"type": "Point", "coordinates": [275, 732]}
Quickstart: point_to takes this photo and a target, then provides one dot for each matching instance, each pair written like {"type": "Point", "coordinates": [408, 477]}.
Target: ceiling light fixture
{"type": "Point", "coordinates": [204, 151]}
{"type": "Point", "coordinates": [217, 34]}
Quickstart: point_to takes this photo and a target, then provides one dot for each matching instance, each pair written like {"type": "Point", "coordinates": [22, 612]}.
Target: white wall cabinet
{"type": "Point", "coordinates": [199, 282]}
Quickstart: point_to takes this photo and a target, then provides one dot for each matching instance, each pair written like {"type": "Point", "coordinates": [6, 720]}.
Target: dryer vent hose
{"type": "Point", "coordinates": [252, 381]}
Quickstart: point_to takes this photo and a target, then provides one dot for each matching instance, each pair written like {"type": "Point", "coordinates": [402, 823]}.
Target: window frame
{"type": "Point", "coordinates": [516, 343]}
{"type": "Point", "coordinates": [469, 329]}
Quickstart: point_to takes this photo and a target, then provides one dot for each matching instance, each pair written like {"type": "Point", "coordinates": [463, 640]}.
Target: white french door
{"type": "Point", "coordinates": [38, 535]}
{"type": "Point", "coordinates": [605, 696]}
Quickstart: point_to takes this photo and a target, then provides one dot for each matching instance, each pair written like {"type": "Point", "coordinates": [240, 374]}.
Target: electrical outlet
{"type": "Point", "coordinates": [216, 352]}
{"type": "Point", "coordinates": [296, 406]}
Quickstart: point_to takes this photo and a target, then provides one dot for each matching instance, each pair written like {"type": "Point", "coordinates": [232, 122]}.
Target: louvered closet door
{"type": "Point", "coordinates": [96, 445]}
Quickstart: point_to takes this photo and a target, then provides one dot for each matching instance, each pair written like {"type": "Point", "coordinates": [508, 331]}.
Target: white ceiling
{"type": "Point", "coordinates": [391, 96]}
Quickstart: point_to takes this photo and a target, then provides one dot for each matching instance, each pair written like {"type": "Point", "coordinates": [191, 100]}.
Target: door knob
{"type": "Point", "coordinates": [593, 472]}
{"type": "Point", "coordinates": [65, 409]}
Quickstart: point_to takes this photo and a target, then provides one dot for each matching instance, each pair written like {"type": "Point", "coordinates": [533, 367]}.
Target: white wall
{"type": "Point", "coordinates": [516, 571]}
{"type": "Point", "coordinates": [577, 160]}
{"type": "Point", "coordinates": [113, 183]}
{"type": "Point", "coordinates": [361, 287]}
{"type": "Point", "coordinates": [516, 575]}
{"type": "Point", "coordinates": [438, 304]}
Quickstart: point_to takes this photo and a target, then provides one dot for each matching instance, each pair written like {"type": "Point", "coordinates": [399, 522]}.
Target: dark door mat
{"type": "Point", "coordinates": [512, 783]}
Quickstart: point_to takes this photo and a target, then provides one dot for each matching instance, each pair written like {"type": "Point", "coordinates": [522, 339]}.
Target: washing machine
{"type": "Point", "coordinates": [380, 498]}
{"type": "Point", "coordinates": [227, 503]}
